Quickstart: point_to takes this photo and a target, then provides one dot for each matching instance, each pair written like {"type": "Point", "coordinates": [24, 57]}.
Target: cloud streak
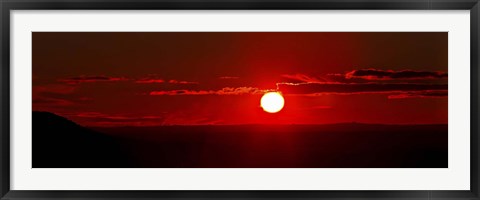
{"type": "Point", "coordinates": [91, 79]}
{"type": "Point", "coordinates": [223, 91]}
{"type": "Point", "coordinates": [421, 94]}
{"type": "Point", "coordinates": [366, 81]}
{"type": "Point", "coordinates": [158, 80]}
{"type": "Point", "coordinates": [301, 78]}
{"type": "Point", "coordinates": [228, 77]}
{"type": "Point", "coordinates": [146, 81]}
{"type": "Point", "coordinates": [181, 82]}
{"type": "Point", "coordinates": [55, 95]}
{"type": "Point", "coordinates": [101, 119]}
{"type": "Point", "coordinates": [347, 88]}
{"type": "Point", "coordinates": [376, 74]}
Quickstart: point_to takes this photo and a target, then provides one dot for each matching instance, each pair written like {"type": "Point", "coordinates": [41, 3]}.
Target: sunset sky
{"type": "Point", "coordinates": [200, 78]}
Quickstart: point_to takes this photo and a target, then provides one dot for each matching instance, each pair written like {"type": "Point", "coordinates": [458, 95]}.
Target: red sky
{"type": "Point", "coordinates": [171, 78]}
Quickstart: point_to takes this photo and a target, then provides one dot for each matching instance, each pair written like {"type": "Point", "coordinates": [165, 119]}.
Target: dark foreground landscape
{"type": "Point", "coordinates": [60, 143]}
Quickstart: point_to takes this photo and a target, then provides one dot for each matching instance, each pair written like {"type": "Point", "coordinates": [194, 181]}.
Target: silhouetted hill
{"type": "Point", "coordinates": [59, 142]}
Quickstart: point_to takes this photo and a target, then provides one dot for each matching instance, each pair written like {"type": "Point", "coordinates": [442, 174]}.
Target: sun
{"type": "Point", "coordinates": [272, 102]}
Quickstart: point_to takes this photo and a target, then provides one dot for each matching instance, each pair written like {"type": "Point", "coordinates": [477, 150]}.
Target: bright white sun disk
{"type": "Point", "coordinates": [272, 102]}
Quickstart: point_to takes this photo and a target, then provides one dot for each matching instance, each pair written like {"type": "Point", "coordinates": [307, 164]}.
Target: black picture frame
{"type": "Point", "coordinates": [9, 5]}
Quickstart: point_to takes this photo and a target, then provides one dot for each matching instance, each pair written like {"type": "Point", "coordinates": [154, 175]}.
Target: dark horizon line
{"type": "Point", "coordinates": [272, 124]}
{"type": "Point", "coordinates": [251, 124]}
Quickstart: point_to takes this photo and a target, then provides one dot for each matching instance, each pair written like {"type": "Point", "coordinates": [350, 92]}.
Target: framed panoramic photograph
{"type": "Point", "coordinates": [239, 99]}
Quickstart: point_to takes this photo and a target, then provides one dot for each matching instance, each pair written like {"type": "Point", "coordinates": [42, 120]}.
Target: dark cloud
{"type": "Point", "coordinates": [50, 101]}
{"type": "Point", "coordinates": [58, 101]}
{"type": "Point", "coordinates": [181, 82]}
{"type": "Point", "coordinates": [160, 80]}
{"type": "Point", "coordinates": [101, 119]}
{"type": "Point", "coordinates": [54, 88]}
{"type": "Point", "coordinates": [56, 95]}
{"type": "Point", "coordinates": [300, 78]}
{"type": "Point", "coordinates": [228, 77]}
{"type": "Point", "coordinates": [52, 95]}
{"type": "Point", "coordinates": [376, 74]}
{"type": "Point", "coordinates": [104, 120]}
{"type": "Point", "coordinates": [421, 94]}
{"type": "Point", "coordinates": [90, 79]}
{"type": "Point", "coordinates": [328, 78]}
{"type": "Point", "coordinates": [346, 88]}
{"type": "Point", "coordinates": [223, 91]}
{"type": "Point", "coordinates": [148, 80]}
